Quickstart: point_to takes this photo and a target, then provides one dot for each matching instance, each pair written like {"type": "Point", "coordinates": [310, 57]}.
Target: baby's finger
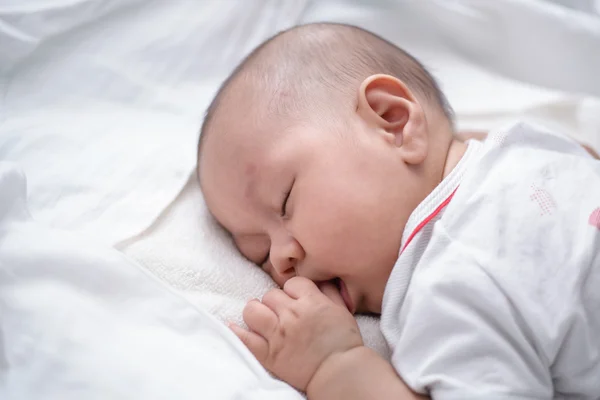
{"type": "Point", "coordinates": [298, 286]}
{"type": "Point", "coordinates": [260, 318]}
{"type": "Point", "coordinates": [332, 293]}
{"type": "Point", "coordinates": [257, 344]}
{"type": "Point", "coordinates": [277, 300]}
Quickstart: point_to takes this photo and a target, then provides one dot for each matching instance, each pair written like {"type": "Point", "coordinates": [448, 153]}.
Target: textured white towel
{"type": "Point", "coordinates": [187, 249]}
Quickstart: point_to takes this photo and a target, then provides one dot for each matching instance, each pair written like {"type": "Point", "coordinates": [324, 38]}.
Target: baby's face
{"type": "Point", "coordinates": [326, 203]}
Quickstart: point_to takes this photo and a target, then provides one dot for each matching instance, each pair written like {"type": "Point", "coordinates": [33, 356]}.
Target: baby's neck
{"type": "Point", "coordinates": [455, 152]}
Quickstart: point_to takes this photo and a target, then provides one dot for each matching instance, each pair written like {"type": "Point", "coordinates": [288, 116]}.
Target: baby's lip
{"type": "Point", "coordinates": [346, 296]}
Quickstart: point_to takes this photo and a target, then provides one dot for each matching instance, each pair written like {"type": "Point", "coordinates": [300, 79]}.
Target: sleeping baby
{"type": "Point", "coordinates": [330, 156]}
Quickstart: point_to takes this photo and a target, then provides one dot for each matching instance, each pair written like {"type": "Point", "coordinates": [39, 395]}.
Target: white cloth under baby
{"type": "Point", "coordinates": [79, 320]}
{"type": "Point", "coordinates": [496, 293]}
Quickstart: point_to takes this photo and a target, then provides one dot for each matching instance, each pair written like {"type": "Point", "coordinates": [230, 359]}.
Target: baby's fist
{"type": "Point", "coordinates": [292, 332]}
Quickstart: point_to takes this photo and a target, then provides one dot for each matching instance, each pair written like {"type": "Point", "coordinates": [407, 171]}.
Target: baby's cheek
{"type": "Point", "coordinates": [338, 234]}
{"type": "Point", "coordinates": [331, 220]}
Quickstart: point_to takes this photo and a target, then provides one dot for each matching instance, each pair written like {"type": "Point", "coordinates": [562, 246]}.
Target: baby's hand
{"type": "Point", "coordinates": [292, 331]}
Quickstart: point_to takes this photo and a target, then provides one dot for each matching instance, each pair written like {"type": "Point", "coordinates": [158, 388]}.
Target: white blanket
{"type": "Point", "coordinates": [80, 321]}
{"type": "Point", "coordinates": [101, 102]}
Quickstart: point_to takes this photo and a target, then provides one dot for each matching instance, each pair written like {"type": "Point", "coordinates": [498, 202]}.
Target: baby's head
{"type": "Point", "coordinates": [317, 149]}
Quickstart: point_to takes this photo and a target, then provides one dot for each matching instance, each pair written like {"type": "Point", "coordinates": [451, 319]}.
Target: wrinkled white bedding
{"type": "Point", "coordinates": [101, 101]}
{"type": "Point", "coordinates": [81, 321]}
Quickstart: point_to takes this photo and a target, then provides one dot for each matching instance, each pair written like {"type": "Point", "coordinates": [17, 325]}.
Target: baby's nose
{"type": "Point", "coordinates": [284, 258]}
{"type": "Point", "coordinates": [282, 277]}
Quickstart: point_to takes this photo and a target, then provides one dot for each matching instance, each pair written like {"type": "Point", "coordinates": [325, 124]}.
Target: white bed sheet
{"type": "Point", "coordinates": [102, 101]}
{"type": "Point", "coordinates": [81, 321]}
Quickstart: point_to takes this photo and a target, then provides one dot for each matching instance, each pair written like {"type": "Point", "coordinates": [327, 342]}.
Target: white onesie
{"type": "Point", "coordinates": [496, 292]}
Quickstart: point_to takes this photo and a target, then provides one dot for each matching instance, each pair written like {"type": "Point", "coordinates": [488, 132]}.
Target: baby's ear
{"type": "Point", "coordinates": [386, 103]}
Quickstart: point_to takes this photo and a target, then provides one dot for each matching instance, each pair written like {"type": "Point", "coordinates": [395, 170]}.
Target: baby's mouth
{"type": "Point", "coordinates": [339, 283]}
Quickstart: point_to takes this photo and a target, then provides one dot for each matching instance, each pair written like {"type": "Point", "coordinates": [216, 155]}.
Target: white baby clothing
{"type": "Point", "coordinates": [496, 291]}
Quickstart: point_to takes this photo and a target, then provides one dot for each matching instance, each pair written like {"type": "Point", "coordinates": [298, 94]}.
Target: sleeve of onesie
{"type": "Point", "coordinates": [461, 337]}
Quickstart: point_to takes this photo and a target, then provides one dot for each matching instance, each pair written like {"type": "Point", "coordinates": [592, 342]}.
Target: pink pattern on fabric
{"type": "Point", "coordinates": [543, 199]}
{"type": "Point", "coordinates": [595, 218]}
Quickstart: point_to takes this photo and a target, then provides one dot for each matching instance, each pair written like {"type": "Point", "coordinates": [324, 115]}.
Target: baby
{"type": "Point", "coordinates": [329, 155]}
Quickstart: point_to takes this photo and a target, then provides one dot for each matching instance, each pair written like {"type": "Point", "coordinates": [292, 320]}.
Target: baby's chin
{"type": "Point", "coordinates": [366, 310]}
{"type": "Point", "coordinates": [371, 304]}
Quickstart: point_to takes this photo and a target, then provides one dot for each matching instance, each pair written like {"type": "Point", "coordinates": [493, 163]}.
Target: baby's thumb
{"type": "Point", "coordinates": [332, 293]}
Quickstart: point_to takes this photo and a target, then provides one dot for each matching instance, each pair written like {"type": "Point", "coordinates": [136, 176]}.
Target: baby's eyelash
{"type": "Point", "coordinates": [284, 205]}
{"type": "Point", "coordinates": [285, 200]}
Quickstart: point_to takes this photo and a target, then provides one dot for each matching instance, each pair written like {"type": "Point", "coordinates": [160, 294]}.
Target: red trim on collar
{"type": "Point", "coordinates": [428, 219]}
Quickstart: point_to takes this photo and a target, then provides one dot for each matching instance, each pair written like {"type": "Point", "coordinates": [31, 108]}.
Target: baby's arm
{"type": "Point", "coordinates": [307, 337]}
{"type": "Point", "coordinates": [359, 373]}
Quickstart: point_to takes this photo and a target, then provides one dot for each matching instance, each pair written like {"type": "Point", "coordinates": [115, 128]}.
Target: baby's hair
{"type": "Point", "coordinates": [316, 66]}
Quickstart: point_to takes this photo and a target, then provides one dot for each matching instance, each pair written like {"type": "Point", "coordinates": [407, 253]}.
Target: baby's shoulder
{"type": "Point", "coordinates": [526, 169]}
{"type": "Point", "coordinates": [530, 193]}
{"type": "Point", "coordinates": [522, 152]}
